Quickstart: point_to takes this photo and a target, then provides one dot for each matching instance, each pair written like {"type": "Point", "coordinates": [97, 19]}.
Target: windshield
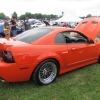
{"type": "Point", "coordinates": [33, 34]}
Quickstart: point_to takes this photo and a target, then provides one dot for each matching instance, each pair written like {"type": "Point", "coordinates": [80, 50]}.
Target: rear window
{"type": "Point", "coordinates": [33, 34]}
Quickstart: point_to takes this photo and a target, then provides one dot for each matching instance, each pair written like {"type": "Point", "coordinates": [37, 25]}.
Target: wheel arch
{"type": "Point", "coordinates": [58, 67]}
{"type": "Point", "coordinates": [51, 55]}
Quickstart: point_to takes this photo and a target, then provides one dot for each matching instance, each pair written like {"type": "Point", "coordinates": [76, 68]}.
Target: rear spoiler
{"type": "Point", "coordinates": [4, 46]}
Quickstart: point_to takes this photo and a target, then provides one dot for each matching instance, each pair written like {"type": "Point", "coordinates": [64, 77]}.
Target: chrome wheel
{"type": "Point", "coordinates": [47, 72]}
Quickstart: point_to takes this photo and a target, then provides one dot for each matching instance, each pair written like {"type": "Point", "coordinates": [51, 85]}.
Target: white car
{"type": "Point", "coordinates": [38, 25]}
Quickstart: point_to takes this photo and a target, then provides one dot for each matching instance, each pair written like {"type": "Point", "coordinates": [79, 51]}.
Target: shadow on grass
{"type": "Point", "coordinates": [13, 85]}
{"type": "Point", "coordinates": [81, 70]}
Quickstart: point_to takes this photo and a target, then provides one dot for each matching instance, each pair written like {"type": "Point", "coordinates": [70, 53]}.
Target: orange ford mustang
{"type": "Point", "coordinates": [43, 53]}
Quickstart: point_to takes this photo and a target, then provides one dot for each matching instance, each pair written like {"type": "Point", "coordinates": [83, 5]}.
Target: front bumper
{"type": "Point", "coordinates": [11, 72]}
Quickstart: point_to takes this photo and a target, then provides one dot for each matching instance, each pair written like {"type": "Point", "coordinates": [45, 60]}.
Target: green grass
{"type": "Point", "coordinates": [80, 84]}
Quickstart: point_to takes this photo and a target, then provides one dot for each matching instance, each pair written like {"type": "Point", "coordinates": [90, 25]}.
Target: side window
{"type": "Point", "coordinates": [60, 39]}
{"type": "Point", "coordinates": [97, 39]}
{"type": "Point", "coordinates": [74, 37]}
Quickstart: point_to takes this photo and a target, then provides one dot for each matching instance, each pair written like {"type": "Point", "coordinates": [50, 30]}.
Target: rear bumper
{"type": "Point", "coordinates": [11, 72]}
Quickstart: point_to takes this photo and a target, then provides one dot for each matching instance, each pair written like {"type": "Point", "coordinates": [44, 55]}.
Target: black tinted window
{"type": "Point", "coordinates": [59, 39]}
{"type": "Point", "coordinates": [33, 34]}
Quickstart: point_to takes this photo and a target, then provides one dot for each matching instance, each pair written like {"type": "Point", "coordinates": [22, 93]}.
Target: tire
{"type": "Point", "coordinates": [99, 60]}
{"type": "Point", "coordinates": [46, 72]}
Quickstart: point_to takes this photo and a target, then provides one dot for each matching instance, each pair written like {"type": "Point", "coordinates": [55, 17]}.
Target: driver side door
{"type": "Point", "coordinates": [79, 53]}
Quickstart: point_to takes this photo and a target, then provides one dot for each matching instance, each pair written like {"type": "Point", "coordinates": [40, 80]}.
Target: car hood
{"type": "Point", "coordinates": [89, 27]}
{"type": "Point", "coordinates": [46, 22]}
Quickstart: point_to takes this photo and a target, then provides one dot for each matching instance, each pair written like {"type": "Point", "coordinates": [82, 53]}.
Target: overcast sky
{"type": "Point", "coordinates": [69, 7]}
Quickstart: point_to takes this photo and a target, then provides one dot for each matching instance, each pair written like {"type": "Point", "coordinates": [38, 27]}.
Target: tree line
{"type": "Point", "coordinates": [30, 15]}
{"type": "Point", "coordinates": [37, 16]}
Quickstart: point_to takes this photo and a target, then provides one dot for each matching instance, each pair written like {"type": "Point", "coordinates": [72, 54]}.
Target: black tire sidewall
{"type": "Point", "coordinates": [35, 75]}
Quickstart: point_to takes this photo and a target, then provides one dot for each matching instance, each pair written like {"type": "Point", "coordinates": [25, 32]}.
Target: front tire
{"type": "Point", "coordinates": [45, 72]}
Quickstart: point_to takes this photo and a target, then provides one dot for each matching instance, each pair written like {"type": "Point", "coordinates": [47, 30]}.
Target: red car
{"type": "Point", "coordinates": [43, 53]}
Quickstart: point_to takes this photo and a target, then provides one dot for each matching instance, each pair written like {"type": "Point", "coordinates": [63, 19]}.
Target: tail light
{"type": "Point", "coordinates": [6, 56]}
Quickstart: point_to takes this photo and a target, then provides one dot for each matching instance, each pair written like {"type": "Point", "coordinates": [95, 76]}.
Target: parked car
{"type": "Point", "coordinates": [18, 29]}
{"type": "Point", "coordinates": [33, 21]}
{"type": "Point", "coordinates": [39, 24]}
{"type": "Point", "coordinates": [1, 30]}
{"type": "Point", "coordinates": [43, 53]}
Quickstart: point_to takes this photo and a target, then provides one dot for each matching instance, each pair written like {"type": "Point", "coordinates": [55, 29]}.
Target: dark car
{"type": "Point", "coordinates": [18, 29]}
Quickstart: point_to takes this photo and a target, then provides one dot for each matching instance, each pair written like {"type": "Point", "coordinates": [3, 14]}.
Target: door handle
{"type": "Point", "coordinates": [73, 48]}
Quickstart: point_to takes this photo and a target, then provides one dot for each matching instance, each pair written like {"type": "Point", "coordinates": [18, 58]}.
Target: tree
{"type": "Point", "coordinates": [22, 17]}
{"type": "Point", "coordinates": [33, 16]}
{"type": "Point", "coordinates": [82, 17]}
{"type": "Point", "coordinates": [89, 15]}
{"type": "Point", "coordinates": [2, 15]}
{"type": "Point", "coordinates": [53, 16]}
{"type": "Point", "coordinates": [37, 16]}
{"type": "Point", "coordinates": [14, 14]}
{"type": "Point", "coordinates": [28, 14]}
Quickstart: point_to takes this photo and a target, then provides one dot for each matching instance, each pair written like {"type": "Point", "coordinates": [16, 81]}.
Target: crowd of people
{"type": "Point", "coordinates": [10, 26]}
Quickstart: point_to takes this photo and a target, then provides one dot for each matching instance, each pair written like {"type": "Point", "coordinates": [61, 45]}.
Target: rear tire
{"type": "Point", "coordinates": [46, 72]}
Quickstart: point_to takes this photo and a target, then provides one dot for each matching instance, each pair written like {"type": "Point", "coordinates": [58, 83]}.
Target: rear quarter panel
{"type": "Point", "coordinates": [35, 54]}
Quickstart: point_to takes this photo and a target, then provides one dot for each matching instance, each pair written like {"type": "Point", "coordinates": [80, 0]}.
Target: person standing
{"type": "Point", "coordinates": [13, 26]}
{"type": "Point", "coordinates": [27, 24]}
{"type": "Point", "coordinates": [7, 27]}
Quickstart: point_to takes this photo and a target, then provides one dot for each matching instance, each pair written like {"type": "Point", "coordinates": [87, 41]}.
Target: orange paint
{"type": "Point", "coordinates": [69, 55]}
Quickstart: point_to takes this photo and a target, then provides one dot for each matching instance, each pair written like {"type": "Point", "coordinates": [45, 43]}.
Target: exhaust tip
{"type": "Point", "coordinates": [2, 80]}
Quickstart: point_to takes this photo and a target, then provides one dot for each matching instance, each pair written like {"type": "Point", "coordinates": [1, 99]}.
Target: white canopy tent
{"type": "Point", "coordinates": [72, 19]}
{"type": "Point", "coordinates": [75, 19]}
{"type": "Point", "coordinates": [69, 19]}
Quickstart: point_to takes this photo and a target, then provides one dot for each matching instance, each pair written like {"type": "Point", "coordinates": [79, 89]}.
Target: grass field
{"type": "Point", "coordinates": [80, 84]}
